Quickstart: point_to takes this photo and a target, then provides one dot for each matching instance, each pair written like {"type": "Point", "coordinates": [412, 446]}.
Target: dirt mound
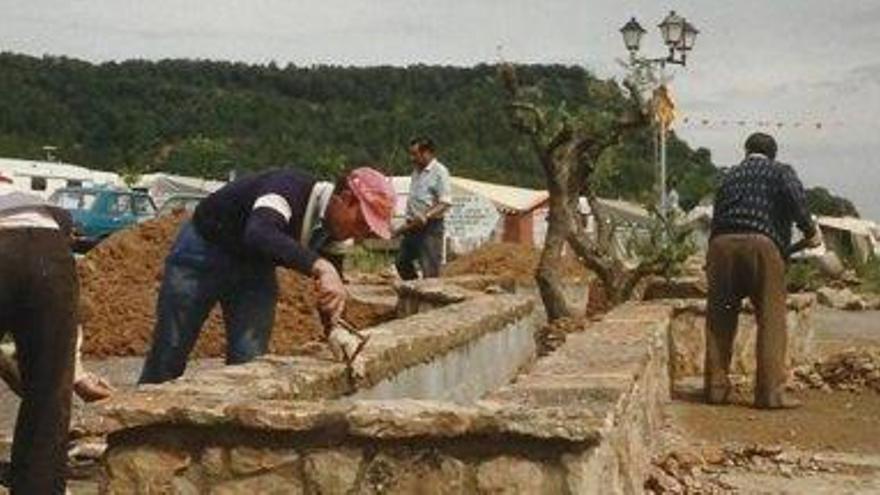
{"type": "Point", "coordinates": [120, 283]}
{"type": "Point", "coordinates": [505, 259]}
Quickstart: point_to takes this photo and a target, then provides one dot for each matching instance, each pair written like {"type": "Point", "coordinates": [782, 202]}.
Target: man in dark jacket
{"type": "Point", "coordinates": [229, 251]}
{"type": "Point", "coordinates": [755, 207]}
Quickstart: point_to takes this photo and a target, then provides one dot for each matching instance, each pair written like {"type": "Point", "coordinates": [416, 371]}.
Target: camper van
{"type": "Point", "coordinates": [44, 178]}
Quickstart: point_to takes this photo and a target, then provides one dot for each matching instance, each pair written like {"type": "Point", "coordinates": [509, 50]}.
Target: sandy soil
{"type": "Point", "coordinates": [510, 260]}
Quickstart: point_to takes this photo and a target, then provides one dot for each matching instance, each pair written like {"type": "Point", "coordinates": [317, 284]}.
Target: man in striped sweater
{"type": "Point", "coordinates": [755, 207]}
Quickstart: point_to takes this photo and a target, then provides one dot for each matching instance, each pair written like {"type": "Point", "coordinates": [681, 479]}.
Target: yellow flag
{"type": "Point", "coordinates": [663, 106]}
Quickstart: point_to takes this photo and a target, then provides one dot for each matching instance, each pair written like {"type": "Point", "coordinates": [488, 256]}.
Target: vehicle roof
{"type": "Point", "coordinates": [101, 189]}
{"type": "Point", "coordinates": [187, 196]}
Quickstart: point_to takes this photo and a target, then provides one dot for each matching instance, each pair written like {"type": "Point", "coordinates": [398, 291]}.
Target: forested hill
{"type": "Point", "coordinates": [204, 118]}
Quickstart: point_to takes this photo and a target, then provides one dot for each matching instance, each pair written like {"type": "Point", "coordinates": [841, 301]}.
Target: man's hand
{"type": "Point", "coordinates": [815, 240]}
{"type": "Point", "coordinates": [414, 223]}
{"type": "Point", "coordinates": [331, 291]}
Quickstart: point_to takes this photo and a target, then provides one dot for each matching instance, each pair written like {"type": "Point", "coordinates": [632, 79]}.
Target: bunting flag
{"type": "Point", "coordinates": [694, 122]}
{"type": "Point", "coordinates": [663, 106]}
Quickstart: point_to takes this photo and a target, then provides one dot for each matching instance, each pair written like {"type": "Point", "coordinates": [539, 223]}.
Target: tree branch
{"type": "Point", "coordinates": [540, 119]}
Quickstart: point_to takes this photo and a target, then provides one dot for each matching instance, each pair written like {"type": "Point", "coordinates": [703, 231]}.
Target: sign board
{"type": "Point", "coordinates": [471, 217]}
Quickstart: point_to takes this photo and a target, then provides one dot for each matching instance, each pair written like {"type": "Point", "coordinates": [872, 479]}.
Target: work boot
{"type": "Point", "coordinates": [782, 401]}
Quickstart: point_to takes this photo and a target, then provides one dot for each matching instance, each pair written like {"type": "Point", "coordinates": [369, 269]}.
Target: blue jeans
{"type": "Point", "coordinates": [198, 275]}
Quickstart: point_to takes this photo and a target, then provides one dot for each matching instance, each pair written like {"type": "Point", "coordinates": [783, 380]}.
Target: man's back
{"type": "Point", "coordinates": [761, 196]}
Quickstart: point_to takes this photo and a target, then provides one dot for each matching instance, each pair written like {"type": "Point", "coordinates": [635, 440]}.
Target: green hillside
{"type": "Point", "coordinates": [204, 118]}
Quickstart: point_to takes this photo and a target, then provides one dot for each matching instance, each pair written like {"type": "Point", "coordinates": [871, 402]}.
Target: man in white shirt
{"type": "Point", "coordinates": [38, 305]}
{"type": "Point", "coordinates": [429, 198]}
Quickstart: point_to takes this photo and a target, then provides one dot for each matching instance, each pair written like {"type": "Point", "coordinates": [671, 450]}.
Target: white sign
{"type": "Point", "coordinates": [471, 216]}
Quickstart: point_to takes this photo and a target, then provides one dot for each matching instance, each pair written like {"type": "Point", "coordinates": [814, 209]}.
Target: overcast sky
{"type": "Point", "coordinates": [786, 61]}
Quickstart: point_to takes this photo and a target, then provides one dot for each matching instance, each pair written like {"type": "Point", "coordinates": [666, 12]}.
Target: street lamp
{"type": "Point", "coordinates": [679, 36]}
{"type": "Point", "coordinates": [632, 33]}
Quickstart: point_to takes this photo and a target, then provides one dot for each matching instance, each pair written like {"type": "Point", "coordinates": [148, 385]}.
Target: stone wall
{"type": "Point", "coordinates": [580, 420]}
{"type": "Point", "coordinates": [688, 339]}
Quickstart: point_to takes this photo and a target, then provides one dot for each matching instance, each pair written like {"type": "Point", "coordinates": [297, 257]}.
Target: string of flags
{"type": "Point", "coordinates": [690, 121]}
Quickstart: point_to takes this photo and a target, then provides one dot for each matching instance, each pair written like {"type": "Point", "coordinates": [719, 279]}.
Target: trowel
{"type": "Point", "coordinates": [346, 344]}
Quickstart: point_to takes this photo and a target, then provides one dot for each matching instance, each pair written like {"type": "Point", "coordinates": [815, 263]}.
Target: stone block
{"type": "Point", "coordinates": [592, 472]}
{"type": "Point", "coordinates": [182, 485]}
{"type": "Point", "coordinates": [676, 288]}
{"type": "Point", "coordinates": [213, 462]}
{"type": "Point", "coordinates": [284, 481]}
{"type": "Point", "coordinates": [249, 460]}
{"type": "Point", "coordinates": [688, 340]}
{"type": "Point", "coordinates": [329, 472]}
{"type": "Point", "coordinates": [144, 468]}
{"type": "Point", "coordinates": [411, 471]}
{"type": "Point", "coordinates": [514, 475]}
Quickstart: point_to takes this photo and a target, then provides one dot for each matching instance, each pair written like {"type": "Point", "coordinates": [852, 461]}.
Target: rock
{"type": "Point", "coordinates": [332, 471]}
{"type": "Point", "coordinates": [712, 455]}
{"type": "Point", "coordinates": [435, 476]}
{"type": "Point", "coordinates": [246, 460]}
{"type": "Point", "coordinates": [872, 301]}
{"type": "Point", "coordinates": [676, 288]}
{"type": "Point", "coordinates": [513, 475]}
{"type": "Point", "coordinates": [409, 418]}
{"type": "Point", "coordinates": [280, 482]}
{"type": "Point", "coordinates": [213, 462]}
{"type": "Point", "coordinates": [830, 265]}
{"type": "Point", "coordinates": [145, 469]}
{"type": "Point", "coordinates": [840, 298]}
{"type": "Point", "coordinates": [660, 482]}
{"type": "Point", "coordinates": [184, 486]}
{"type": "Point", "coordinates": [424, 472]}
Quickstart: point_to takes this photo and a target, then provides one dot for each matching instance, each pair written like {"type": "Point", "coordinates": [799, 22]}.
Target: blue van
{"type": "Point", "coordinates": [98, 212]}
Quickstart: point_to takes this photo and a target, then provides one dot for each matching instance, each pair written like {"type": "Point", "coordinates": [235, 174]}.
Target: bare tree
{"type": "Point", "coordinates": [569, 143]}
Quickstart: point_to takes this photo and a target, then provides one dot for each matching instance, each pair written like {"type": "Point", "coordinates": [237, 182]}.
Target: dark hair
{"type": "Point", "coordinates": [761, 143]}
{"type": "Point", "coordinates": [423, 143]}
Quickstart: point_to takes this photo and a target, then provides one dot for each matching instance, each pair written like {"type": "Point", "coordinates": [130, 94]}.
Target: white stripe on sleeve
{"type": "Point", "coordinates": [274, 202]}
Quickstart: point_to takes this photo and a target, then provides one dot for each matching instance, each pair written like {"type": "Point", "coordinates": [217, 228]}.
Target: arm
{"type": "Point", "coordinates": [265, 234]}
{"type": "Point", "coordinates": [419, 221]}
{"type": "Point", "coordinates": [794, 193]}
{"type": "Point", "coordinates": [443, 201]}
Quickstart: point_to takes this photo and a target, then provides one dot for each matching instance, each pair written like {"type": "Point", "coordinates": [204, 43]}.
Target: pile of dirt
{"type": "Point", "coordinates": [853, 370]}
{"type": "Point", "coordinates": [120, 281]}
{"type": "Point", "coordinates": [516, 261]}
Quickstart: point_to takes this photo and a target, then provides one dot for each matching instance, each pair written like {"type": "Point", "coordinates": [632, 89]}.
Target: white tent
{"type": "Point", "coordinates": [163, 186]}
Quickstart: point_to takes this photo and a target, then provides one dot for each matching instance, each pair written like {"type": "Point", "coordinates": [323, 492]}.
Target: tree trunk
{"type": "Point", "coordinates": [548, 274]}
{"type": "Point", "coordinates": [559, 226]}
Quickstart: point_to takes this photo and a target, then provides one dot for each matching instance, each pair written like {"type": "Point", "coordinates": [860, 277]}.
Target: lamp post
{"type": "Point", "coordinates": [679, 36]}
